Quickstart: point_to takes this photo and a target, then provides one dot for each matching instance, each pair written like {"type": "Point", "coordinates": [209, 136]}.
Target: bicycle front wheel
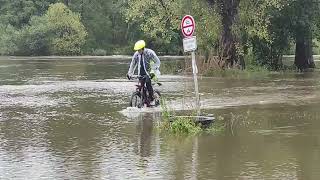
{"type": "Point", "coordinates": [136, 100]}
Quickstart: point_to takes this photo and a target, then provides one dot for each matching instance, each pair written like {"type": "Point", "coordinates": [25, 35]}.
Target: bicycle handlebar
{"type": "Point", "coordinates": [139, 76]}
{"type": "Point", "coordinates": [135, 77]}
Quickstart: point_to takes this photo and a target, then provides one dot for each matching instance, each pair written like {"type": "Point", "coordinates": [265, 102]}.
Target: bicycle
{"type": "Point", "coordinates": [140, 97]}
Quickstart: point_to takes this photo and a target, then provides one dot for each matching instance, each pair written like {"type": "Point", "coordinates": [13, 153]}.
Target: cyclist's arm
{"type": "Point", "coordinates": [133, 65]}
{"type": "Point", "coordinates": [155, 59]}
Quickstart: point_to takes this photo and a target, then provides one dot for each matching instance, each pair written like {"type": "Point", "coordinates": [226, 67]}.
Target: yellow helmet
{"type": "Point", "coordinates": [139, 45]}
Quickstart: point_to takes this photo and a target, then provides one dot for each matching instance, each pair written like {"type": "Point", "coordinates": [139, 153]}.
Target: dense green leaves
{"type": "Point", "coordinates": [35, 38]}
{"type": "Point", "coordinates": [261, 29]}
{"type": "Point", "coordinates": [58, 32]}
{"type": "Point", "coordinates": [68, 32]}
{"type": "Point", "coordinates": [273, 26]}
{"type": "Point", "coordinates": [7, 34]}
{"type": "Point", "coordinates": [160, 21]}
{"type": "Point", "coordinates": [18, 12]}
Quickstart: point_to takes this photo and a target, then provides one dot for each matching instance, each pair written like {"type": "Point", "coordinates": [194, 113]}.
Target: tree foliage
{"type": "Point", "coordinates": [161, 20]}
{"type": "Point", "coordinates": [34, 39]}
{"type": "Point", "coordinates": [59, 31]}
{"type": "Point", "coordinates": [68, 32]}
{"type": "Point", "coordinates": [105, 24]}
{"type": "Point", "coordinates": [7, 34]}
{"type": "Point", "coordinates": [261, 29]}
{"type": "Point", "coordinates": [18, 12]}
{"type": "Point", "coordinates": [272, 26]}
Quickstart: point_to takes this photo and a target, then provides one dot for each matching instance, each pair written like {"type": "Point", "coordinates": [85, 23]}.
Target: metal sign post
{"type": "Point", "coordinates": [190, 45]}
{"type": "Point", "coordinates": [195, 79]}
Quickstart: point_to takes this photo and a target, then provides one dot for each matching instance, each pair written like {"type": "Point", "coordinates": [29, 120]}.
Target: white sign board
{"type": "Point", "coordinates": [188, 26]}
{"type": "Point", "coordinates": [190, 44]}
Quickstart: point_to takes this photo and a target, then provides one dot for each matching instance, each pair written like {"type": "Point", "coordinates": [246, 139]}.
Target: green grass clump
{"type": "Point", "coordinates": [217, 127]}
{"type": "Point", "coordinates": [176, 125]}
{"type": "Point", "coordinates": [184, 126]}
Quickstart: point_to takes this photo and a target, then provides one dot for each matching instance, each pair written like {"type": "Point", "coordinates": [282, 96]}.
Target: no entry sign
{"type": "Point", "coordinates": [188, 26]}
{"type": "Point", "coordinates": [190, 44]}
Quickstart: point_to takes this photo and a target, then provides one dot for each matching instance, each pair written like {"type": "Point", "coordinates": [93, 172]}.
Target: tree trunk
{"type": "Point", "coordinates": [66, 2]}
{"type": "Point", "coordinates": [303, 57]}
{"type": "Point", "coordinates": [228, 55]}
{"type": "Point", "coordinates": [310, 53]}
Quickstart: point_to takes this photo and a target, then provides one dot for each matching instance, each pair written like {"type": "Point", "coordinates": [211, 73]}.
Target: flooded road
{"type": "Point", "coordinates": [68, 119]}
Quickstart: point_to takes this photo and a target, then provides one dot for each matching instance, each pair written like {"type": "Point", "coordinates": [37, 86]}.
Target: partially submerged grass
{"type": "Point", "coordinates": [218, 127]}
{"type": "Point", "coordinates": [180, 126]}
{"type": "Point", "coordinates": [252, 71]}
{"type": "Point", "coordinates": [186, 125]}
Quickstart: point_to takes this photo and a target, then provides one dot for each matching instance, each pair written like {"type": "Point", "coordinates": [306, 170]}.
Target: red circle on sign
{"type": "Point", "coordinates": [187, 26]}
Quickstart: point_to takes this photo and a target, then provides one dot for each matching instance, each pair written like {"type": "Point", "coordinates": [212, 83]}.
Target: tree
{"type": "Point", "coordinates": [7, 39]}
{"type": "Point", "coordinates": [69, 33]}
{"type": "Point", "coordinates": [18, 12]}
{"type": "Point", "coordinates": [160, 22]}
{"type": "Point", "coordinates": [273, 24]}
{"type": "Point", "coordinates": [58, 32]}
{"type": "Point", "coordinates": [105, 24]}
{"type": "Point", "coordinates": [304, 26]}
{"type": "Point", "coordinates": [264, 24]}
{"type": "Point", "coordinates": [229, 49]}
{"type": "Point", "coordinates": [34, 39]}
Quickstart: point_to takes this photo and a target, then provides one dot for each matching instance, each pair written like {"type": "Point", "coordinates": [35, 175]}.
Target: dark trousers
{"type": "Point", "coordinates": [146, 79]}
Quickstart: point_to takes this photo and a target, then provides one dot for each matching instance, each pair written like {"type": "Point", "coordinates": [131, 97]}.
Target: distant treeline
{"type": "Point", "coordinates": [237, 32]}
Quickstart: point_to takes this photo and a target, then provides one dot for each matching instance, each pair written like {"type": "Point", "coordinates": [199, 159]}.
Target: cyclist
{"type": "Point", "coordinates": [148, 66]}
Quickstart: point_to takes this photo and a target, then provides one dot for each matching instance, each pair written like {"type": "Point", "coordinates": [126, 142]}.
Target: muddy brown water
{"type": "Point", "coordinates": [68, 119]}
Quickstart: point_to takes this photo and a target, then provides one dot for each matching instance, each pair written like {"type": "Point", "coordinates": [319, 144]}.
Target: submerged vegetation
{"type": "Point", "coordinates": [253, 71]}
{"type": "Point", "coordinates": [180, 126]}
{"type": "Point", "coordinates": [186, 125]}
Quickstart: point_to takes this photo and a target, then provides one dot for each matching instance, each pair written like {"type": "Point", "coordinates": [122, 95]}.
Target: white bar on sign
{"type": "Point", "coordinates": [190, 44]}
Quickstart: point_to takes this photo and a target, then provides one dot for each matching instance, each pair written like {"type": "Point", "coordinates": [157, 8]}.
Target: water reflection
{"type": "Point", "coordinates": [145, 128]}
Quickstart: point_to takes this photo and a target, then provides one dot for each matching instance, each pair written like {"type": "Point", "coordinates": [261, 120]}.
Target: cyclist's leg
{"type": "Point", "coordinates": [142, 81]}
{"type": "Point", "coordinates": [150, 88]}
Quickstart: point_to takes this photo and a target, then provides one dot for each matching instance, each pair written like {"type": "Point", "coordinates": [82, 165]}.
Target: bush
{"type": "Point", "coordinates": [99, 52]}
{"type": "Point", "coordinates": [126, 50]}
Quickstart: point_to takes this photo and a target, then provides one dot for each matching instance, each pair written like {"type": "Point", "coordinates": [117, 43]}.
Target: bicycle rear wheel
{"type": "Point", "coordinates": [136, 100]}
